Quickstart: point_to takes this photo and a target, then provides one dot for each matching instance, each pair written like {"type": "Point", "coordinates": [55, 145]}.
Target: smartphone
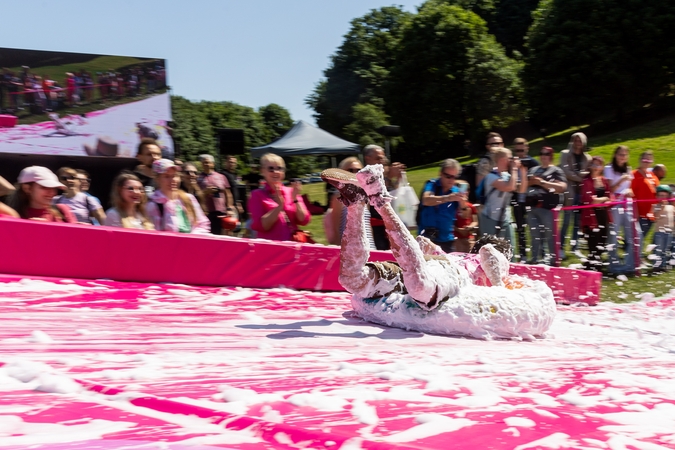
{"type": "Point", "coordinates": [463, 187]}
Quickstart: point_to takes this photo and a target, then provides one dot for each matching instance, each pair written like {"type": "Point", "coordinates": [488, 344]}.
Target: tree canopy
{"type": "Point", "coordinates": [593, 59]}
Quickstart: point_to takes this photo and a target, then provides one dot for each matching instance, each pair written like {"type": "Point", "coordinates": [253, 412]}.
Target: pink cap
{"type": "Point", "coordinates": [40, 175]}
{"type": "Point", "coordinates": [163, 165]}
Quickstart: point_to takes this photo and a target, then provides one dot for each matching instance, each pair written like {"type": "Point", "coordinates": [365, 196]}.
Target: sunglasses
{"type": "Point", "coordinates": [135, 190]}
{"type": "Point", "coordinates": [88, 180]}
{"type": "Point", "coordinates": [69, 178]}
{"type": "Point", "coordinates": [191, 172]}
{"type": "Point", "coordinates": [519, 150]}
{"type": "Point", "coordinates": [494, 144]}
{"type": "Point", "coordinates": [353, 170]}
{"type": "Point", "coordinates": [276, 169]}
{"type": "Point", "coordinates": [448, 176]}
{"type": "Point", "coordinates": [546, 154]}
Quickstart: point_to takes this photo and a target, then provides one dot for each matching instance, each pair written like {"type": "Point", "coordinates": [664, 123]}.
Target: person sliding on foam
{"type": "Point", "coordinates": [423, 272]}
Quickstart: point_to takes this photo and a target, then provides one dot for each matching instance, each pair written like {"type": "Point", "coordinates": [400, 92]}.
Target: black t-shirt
{"type": "Point", "coordinates": [232, 180]}
{"type": "Point", "coordinates": [145, 180]}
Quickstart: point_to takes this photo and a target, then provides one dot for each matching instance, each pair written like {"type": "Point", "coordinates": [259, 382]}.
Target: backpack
{"type": "Point", "coordinates": [469, 175]}
{"type": "Point", "coordinates": [420, 207]}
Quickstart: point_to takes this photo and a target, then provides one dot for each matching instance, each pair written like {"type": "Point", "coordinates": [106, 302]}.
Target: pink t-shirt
{"type": "Point", "coordinates": [261, 202]}
{"type": "Point", "coordinates": [48, 215]}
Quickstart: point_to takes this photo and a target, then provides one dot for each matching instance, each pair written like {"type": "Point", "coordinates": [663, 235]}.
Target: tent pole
{"type": "Point", "coordinates": [333, 161]}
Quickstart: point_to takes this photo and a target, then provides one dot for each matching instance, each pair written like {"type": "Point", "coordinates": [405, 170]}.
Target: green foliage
{"type": "Point", "coordinates": [357, 72]}
{"type": "Point", "coordinates": [594, 59]}
{"type": "Point", "coordinates": [451, 77]}
{"type": "Point", "coordinates": [366, 119]}
{"type": "Point", "coordinates": [277, 119]}
{"type": "Point", "coordinates": [512, 19]}
{"type": "Point", "coordinates": [197, 124]}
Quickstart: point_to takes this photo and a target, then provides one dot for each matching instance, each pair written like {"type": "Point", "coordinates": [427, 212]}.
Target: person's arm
{"type": "Point", "coordinates": [483, 167]}
{"type": "Point", "coordinates": [511, 184]}
{"type": "Point", "coordinates": [112, 218]}
{"type": "Point", "coordinates": [7, 211]}
{"type": "Point", "coordinates": [302, 216]}
{"type": "Point", "coordinates": [99, 215]}
{"type": "Point", "coordinates": [6, 187]}
{"type": "Point", "coordinates": [202, 224]}
{"type": "Point", "coordinates": [269, 218]}
{"type": "Point", "coordinates": [570, 174]}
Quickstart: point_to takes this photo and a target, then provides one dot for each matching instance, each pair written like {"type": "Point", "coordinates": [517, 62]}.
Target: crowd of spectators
{"type": "Point", "coordinates": [27, 90]}
{"type": "Point", "coordinates": [518, 195]}
{"type": "Point", "coordinates": [609, 207]}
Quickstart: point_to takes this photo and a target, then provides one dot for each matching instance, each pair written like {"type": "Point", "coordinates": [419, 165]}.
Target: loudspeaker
{"type": "Point", "coordinates": [231, 141]}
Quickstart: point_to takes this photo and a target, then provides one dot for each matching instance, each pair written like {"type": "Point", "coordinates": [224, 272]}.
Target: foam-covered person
{"type": "Point", "coordinates": [172, 209]}
{"type": "Point", "coordinates": [277, 210]}
{"type": "Point", "coordinates": [128, 199]}
{"type": "Point", "coordinates": [37, 187]}
{"type": "Point", "coordinates": [447, 285]}
{"type": "Point", "coordinates": [82, 205]}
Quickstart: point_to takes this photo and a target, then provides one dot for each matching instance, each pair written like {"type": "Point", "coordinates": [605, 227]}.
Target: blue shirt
{"type": "Point", "coordinates": [441, 217]}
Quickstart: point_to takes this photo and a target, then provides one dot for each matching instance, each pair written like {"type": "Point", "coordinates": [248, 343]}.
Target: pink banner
{"type": "Point", "coordinates": [81, 251]}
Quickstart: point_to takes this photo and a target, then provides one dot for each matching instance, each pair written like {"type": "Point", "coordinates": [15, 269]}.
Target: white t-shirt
{"type": "Point", "coordinates": [613, 177]}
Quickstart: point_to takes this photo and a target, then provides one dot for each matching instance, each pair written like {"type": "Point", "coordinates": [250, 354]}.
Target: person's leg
{"type": "Point", "coordinates": [574, 241]}
{"type": "Point", "coordinates": [355, 276]}
{"type": "Point", "coordinates": [615, 265]}
{"type": "Point", "coordinates": [426, 285]}
{"type": "Point", "coordinates": [520, 216]}
{"type": "Point", "coordinates": [567, 215]}
{"type": "Point", "coordinates": [536, 235]}
{"type": "Point", "coordinates": [660, 250]}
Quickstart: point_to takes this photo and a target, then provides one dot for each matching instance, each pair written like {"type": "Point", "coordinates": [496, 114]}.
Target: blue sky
{"type": "Point", "coordinates": [251, 52]}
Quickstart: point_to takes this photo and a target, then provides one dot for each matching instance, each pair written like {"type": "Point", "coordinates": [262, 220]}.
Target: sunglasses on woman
{"type": "Point", "coordinates": [447, 176]}
{"type": "Point", "coordinates": [276, 169]}
{"type": "Point", "coordinates": [353, 170]}
{"type": "Point", "coordinates": [68, 178]}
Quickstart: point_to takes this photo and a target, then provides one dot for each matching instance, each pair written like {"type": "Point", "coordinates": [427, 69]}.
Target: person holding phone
{"type": "Point", "coordinates": [277, 210]}
{"type": "Point", "coordinates": [442, 198]}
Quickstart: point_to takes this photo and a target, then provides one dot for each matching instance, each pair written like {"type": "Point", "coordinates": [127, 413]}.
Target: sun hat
{"type": "Point", "coordinates": [40, 175]}
{"type": "Point", "coordinates": [163, 166]}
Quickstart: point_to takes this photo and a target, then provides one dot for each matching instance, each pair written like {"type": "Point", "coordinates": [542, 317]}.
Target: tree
{"type": "Point", "coordinates": [511, 21]}
{"type": "Point", "coordinates": [277, 119]}
{"type": "Point", "coordinates": [358, 71]}
{"type": "Point", "coordinates": [451, 77]}
{"type": "Point", "coordinates": [598, 59]}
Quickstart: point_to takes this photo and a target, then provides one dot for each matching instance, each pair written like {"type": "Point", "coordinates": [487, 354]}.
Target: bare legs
{"type": "Point", "coordinates": [355, 276]}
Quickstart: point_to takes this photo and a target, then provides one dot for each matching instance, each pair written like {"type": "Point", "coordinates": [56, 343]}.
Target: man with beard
{"type": "Point", "coordinates": [148, 152]}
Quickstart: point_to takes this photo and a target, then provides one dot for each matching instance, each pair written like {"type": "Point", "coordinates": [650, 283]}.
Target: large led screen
{"type": "Point", "coordinates": [76, 104]}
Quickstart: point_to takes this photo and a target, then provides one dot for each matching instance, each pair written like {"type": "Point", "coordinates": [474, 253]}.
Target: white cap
{"type": "Point", "coordinates": [40, 175]}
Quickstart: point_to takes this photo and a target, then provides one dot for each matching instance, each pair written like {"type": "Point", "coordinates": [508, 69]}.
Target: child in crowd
{"type": "Point", "coordinates": [466, 225]}
{"type": "Point", "coordinates": [664, 216]}
{"type": "Point", "coordinates": [35, 193]}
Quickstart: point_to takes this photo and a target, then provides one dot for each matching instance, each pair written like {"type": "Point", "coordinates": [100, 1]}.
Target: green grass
{"type": "Point", "coordinates": [657, 136]}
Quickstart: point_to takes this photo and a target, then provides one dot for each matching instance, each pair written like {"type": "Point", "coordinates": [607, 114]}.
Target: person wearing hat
{"type": "Point", "coordinates": [37, 187]}
{"type": "Point", "coordinates": [664, 217]}
{"type": "Point", "coordinates": [172, 209]}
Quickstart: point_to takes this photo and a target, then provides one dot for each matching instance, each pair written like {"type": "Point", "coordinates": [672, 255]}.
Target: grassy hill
{"type": "Point", "coordinates": [657, 137]}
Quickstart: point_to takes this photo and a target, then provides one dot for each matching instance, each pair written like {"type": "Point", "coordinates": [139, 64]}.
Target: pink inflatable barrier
{"type": "Point", "coordinates": [87, 252]}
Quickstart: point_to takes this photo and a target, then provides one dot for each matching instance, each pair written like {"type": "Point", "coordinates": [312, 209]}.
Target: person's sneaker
{"type": "Point", "coordinates": [371, 179]}
{"type": "Point", "coordinates": [347, 184]}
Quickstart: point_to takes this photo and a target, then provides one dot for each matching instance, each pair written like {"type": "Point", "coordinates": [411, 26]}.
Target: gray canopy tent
{"type": "Point", "coordinates": [306, 139]}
